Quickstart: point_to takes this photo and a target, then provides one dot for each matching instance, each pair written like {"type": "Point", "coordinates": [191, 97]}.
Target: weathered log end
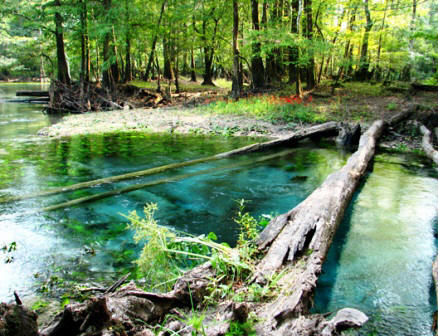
{"type": "Point", "coordinates": [16, 320]}
{"type": "Point", "coordinates": [427, 144]}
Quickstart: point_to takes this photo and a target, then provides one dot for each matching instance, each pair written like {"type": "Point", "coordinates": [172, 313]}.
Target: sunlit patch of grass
{"type": "Point", "coordinates": [363, 89]}
{"type": "Point", "coordinates": [269, 108]}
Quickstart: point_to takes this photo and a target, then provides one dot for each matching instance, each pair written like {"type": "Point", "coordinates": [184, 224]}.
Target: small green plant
{"type": "Point", "coordinates": [167, 253]}
{"type": "Point", "coordinates": [392, 106]}
{"type": "Point", "coordinates": [8, 250]}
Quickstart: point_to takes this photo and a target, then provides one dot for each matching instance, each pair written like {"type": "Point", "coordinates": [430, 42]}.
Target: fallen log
{"type": "Point", "coordinates": [32, 94]}
{"type": "Point", "coordinates": [305, 234]}
{"type": "Point", "coordinates": [319, 130]}
{"type": "Point", "coordinates": [427, 144]}
{"type": "Point", "coordinates": [96, 197]}
{"type": "Point", "coordinates": [424, 87]}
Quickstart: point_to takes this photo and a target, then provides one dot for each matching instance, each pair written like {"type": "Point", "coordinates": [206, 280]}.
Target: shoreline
{"type": "Point", "coordinates": [165, 120]}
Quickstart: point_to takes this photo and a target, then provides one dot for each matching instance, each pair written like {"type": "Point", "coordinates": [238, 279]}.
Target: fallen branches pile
{"type": "Point", "coordinates": [84, 97]}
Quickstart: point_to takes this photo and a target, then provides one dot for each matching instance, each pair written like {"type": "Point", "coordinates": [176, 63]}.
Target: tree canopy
{"type": "Point", "coordinates": [274, 40]}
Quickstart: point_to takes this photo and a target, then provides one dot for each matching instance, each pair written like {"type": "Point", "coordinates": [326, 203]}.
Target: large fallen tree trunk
{"type": "Point", "coordinates": [305, 234]}
{"type": "Point", "coordinates": [328, 128]}
{"type": "Point", "coordinates": [427, 144]}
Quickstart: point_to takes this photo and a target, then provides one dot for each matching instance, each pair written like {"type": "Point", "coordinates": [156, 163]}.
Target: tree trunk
{"type": "Point", "coordinates": [257, 69]}
{"type": "Point", "coordinates": [310, 81]}
{"type": "Point", "coordinates": [108, 76]}
{"type": "Point", "coordinates": [63, 70]}
{"type": "Point", "coordinates": [236, 89]}
{"type": "Point", "coordinates": [85, 48]}
{"type": "Point", "coordinates": [192, 65]}
{"type": "Point", "coordinates": [154, 42]}
{"type": "Point", "coordinates": [303, 236]}
{"type": "Point", "coordinates": [363, 71]}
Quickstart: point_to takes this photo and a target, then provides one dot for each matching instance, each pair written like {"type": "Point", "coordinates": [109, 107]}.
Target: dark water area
{"type": "Point", "coordinates": [380, 261]}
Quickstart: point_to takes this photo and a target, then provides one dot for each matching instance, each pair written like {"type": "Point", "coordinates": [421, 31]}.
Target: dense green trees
{"type": "Point", "coordinates": [278, 40]}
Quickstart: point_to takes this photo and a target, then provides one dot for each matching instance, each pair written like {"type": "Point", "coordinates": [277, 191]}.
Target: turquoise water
{"type": "Point", "coordinates": [380, 261]}
{"type": "Point", "coordinates": [381, 258]}
{"type": "Point", "coordinates": [90, 242]}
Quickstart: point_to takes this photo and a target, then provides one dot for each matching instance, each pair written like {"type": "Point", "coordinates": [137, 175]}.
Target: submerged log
{"type": "Point", "coordinates": [314, 131]}
{"type": "Point", "coordinates": [32, 94]}
{"type": "Point", "coordinates": [134, 187]}
{"type": "Point", "coordinates": [306, 232]}
{"type": "Point", "coordinates": [427, 144]}
{"type": "Point", "coordinates": [424, 87]}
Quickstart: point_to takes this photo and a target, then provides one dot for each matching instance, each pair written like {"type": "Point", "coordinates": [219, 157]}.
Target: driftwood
{"type": "Point", "coordinates": [83, 97]}
{"type": "Point", "coordinates": [427, 144]}
{"type": "Point", "coordinates": [305, 233]}
{"type": "Point", "coordinates": [314, 131]}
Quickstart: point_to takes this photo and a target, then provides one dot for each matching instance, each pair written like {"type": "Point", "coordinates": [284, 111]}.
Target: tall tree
{"type": "Point", "coordinates": [257, 69]}
{"type": "Point", "coordinates": [236, 89]}
{"type": "Point", "coordinates": [364, 64]}
{"type": "Point", "coordinates": [63, 69]}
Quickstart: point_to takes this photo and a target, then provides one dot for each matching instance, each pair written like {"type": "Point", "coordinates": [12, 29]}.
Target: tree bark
{"type": "Point", "coordinates": [363, 71]}
{"type": "Point", "coordinates": [257, 69]}
{"type": "Point", "coordinates": [427, 144]}
{"type": "Point", "coordinates": [310, 69]}
{"type": "Point", "coordinates": [154, 42]}
{"type": "Point", "coordinates": [305, 233]}
{"type": "Point", "coordinates": [236, 89]}
{"type": "Point", "coordinates": [63, 70]}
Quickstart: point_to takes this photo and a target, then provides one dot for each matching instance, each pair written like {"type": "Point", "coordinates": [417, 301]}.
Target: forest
{"type": "Point", "coordinates": [218, 168]}
{"type": "Point", "coordinates": [259, 43]}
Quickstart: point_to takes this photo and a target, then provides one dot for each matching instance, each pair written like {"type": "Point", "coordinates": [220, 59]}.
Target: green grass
{"type": "Point", "coordinates": [269, 108]}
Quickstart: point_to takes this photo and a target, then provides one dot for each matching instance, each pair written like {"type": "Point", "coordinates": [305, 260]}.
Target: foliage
{"type": "Point", "coordinates": [167, 252]}
{"type": "Point", "coordinates": [399, 43]}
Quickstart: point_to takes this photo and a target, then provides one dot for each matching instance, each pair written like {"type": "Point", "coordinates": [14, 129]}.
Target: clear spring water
{"type": "Point", "coordinates": [380, 261]}
{"type": "Point", "coordinates": [56, 245]}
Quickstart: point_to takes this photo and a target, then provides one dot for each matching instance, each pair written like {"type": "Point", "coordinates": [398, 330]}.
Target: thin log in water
{"type": "Point", "coordinates": [319, 130]}
{"type": "Point", "coordinates": [134, 187]}
{"type": "Point", "coordinates": [32, 94]}
{"type": "Point", "coordinates": [427, 144]}
{"type": "Point", "coordinates": [299, 240]}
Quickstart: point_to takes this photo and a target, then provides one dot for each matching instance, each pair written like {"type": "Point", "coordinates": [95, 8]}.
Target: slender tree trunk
{"type": "Point", "coordinates": [382, 28]}
{"type": "Point", "coordinates": [309, 30]}
{"type": "Point", "coordinates": [108, 74]}
{"type": "Point", "coordinates": [85, 48]}
{"type": "Point", "coordinates": [192, 65]}
{"type": "Point", "coordinates": [236, 88]}
{"type": "Point", "coordinates": [63, 70]}
{"type": "Point", "coordinates": [208, 53]}
{"type": "Point", "coordinates": [154, 41]}
{"type": "Point", "coordinates": [299, 88]}
{"type": "Point", "coordinates": [347, 55]}
{"type": "Point", "coordinates": [363, 71]}
{"type": "Point", "coordinates": [257, 69]}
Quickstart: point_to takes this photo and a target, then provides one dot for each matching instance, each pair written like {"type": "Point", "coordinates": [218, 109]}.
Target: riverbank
{"type": "Point", "coordinates": [165, 120]}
